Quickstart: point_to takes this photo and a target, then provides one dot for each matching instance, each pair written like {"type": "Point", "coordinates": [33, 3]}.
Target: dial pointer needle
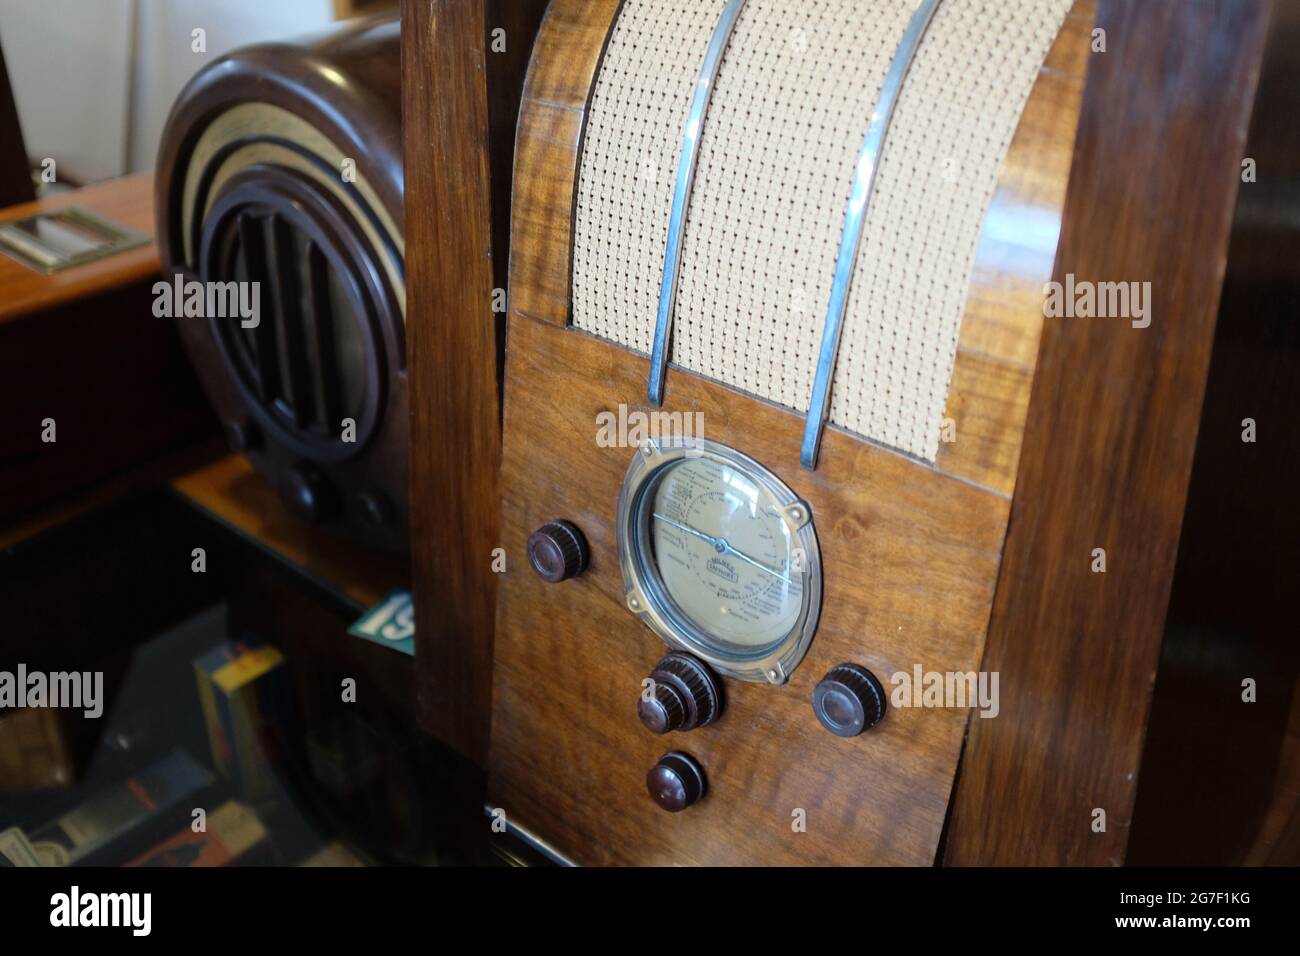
{"type": "Point", "coordinates": [726, 546]}
{"type": "Point", "coordinates": [689, 530]}
{"type": "Point", "coordinates": [758, 564]}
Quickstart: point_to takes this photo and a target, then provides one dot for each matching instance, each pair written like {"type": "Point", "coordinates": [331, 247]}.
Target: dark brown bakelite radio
{"type": "Point", "coordinates": [280, 188]}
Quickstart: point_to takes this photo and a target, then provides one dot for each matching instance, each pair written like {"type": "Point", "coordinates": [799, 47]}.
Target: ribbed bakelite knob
{"type": "Point", "coordinates": [663, 711]}
{"type": "Point", "coordinates": [557, 551]}
{"type": "Point", "coordinates": [848, 700]}
{"type": "Point", "coordinates": [685, 695]}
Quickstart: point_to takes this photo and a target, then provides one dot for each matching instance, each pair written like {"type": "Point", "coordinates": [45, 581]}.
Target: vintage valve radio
{"type": "Point", "coordinates": [281, 170]}
{"type": "Point", "coordinates": [777, 293]}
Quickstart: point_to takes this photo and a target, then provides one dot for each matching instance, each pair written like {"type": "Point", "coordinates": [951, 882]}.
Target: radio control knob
{"type": "Point", "coordinates": [685, 695]}
{"type": "Point", "coordinates": [309, 494]}
{"type": "Point", "coordinates": [848, 700]}
{"type": "Point", "coordinates": [557, 551]}
{"type": "Point", "coordinates": [664, 711]}
{"type": "Point", "coordinates": [375, 507]}
{"type": "Point", "coordinates": [676, 781]}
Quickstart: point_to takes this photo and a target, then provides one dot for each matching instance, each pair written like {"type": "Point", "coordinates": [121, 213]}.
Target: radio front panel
{"type": "Point", "coordinates": [700, 670]}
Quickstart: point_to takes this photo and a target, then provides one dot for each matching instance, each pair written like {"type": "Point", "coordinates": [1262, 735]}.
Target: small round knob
{"type": "Point", "coordinates": [309, 494]}
{"type": "Point", "coordinates": [663, 711]}
{"type": "Point", "coordinates": [557, 551]}
{"type": "Point", "coordinates": [685, 695]}
{"type": "Point", "coordinates": [676, 781]}
{"type": "Point", "coordinates": [848, 700]}
{"type": "Point", "coordinates": [375, 507]}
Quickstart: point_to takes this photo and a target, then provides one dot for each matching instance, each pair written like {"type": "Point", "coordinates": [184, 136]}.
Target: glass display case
{"type": "Point", "coordinates": [213, 707]}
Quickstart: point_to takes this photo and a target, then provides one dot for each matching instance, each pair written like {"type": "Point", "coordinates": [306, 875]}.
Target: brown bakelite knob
{"type": "Point", "coordinates": [557, 551]}
{"type": "Point", "coordinates": [676, 781]}
{"type": "Point", "coordinates": [848, 700]}
{"type": "Point", "coordinates": [375, 507]}
{"type": "Point", "coordinates": [309, 494]}
{"type": "Point", "coordinates": [685, 695]}
{"type": "Point", "coordinates": [665, 710]}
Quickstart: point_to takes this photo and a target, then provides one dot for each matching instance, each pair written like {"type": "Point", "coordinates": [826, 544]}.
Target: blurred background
{"type": "Point", "coordinates": [93, 82]}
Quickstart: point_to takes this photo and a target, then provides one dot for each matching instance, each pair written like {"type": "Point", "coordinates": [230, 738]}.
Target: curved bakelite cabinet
{"type": "Point", "coordinates": [280, 190]}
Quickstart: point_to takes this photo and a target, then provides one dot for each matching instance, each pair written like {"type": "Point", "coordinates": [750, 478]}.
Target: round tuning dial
{"type": "Point", "coordinates": [676, 781]}
{"type": "Point", "coordinates": [683, 695]}
{"type": "Point", "coordinates": [848, 700]}
{"type": "Point", "coordinates": [557, 551]}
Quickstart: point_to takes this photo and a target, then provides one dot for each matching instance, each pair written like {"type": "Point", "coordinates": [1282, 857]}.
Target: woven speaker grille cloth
{"type": "Point", "coordinates": [796, 90]}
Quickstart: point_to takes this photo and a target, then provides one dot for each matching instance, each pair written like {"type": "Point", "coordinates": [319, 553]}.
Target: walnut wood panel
{"type": "Point", "coordinates": [1109, 438]}
{"type": "Point", "coordinates": [910, 558]}
{"type": "Point", "coordinates": [458, 110]}
{"type": "Point", "coordinates": [34, 752]}
{"type": "Point", "coordinates": [1277, 840]}
{"type": "Point", "coordinates": [128, 202]}
{"type": "Point", "coordinates": [548, 148]}
{"type": "Point", "coordinates": [1209, 755]}
{"type": "Point", "coordinates": [999, 337]}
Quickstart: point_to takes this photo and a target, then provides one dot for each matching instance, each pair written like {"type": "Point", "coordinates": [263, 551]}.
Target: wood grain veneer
{"type": "Point", "coordinates": [459, 104]}
{"type": "Point", "coordinates": [911, 556]}
{"type": "Point", "coordinates": [1209, 754]}
{"type": "Point", "coordinates": [1109, 438]}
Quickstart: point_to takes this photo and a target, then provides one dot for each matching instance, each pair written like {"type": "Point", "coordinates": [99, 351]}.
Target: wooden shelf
{"type": "Point", "coordinates": [233, 492]}
{"type": "Point", "coordinates": [127, 202]}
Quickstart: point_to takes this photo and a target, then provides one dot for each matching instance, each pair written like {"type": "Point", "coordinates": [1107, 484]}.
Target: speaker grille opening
{"type": "Point", "coordinates": [317, 356]}
{"type": "Point", "coordinates": [305, 358]}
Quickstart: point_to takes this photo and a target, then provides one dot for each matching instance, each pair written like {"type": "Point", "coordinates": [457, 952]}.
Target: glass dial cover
{"type": "Point", "coordinates": [719, 557]}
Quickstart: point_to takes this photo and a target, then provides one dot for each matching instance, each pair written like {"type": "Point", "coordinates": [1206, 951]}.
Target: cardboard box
{"type": "Point", "coordinates": [232, 831]}
{"type": "Point", "coordinates": [244, 693]}
{"type": "Point", "coordinates": [114, 812]}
